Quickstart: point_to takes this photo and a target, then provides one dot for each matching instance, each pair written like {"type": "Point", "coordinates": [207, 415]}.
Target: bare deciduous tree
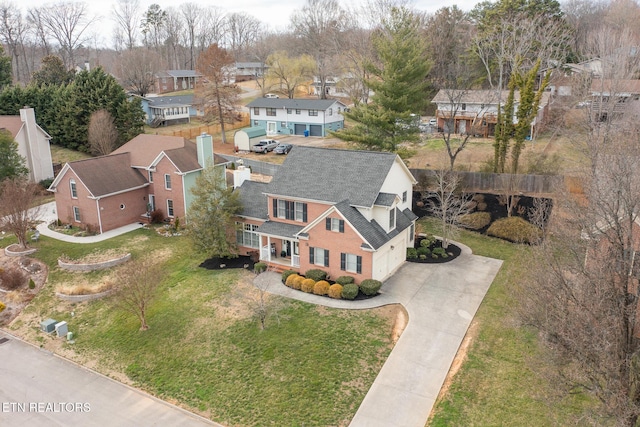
{"type": "Point", "coordinates": [242, 31]}
{"type": "Point", "coordinates": [137, 69]}
{"type": "Point", "coordinates": [67, 22]}
{"type": "Point", "coordinates": [289, 73]}
{"type": "Point", "coordinates": [219, 94]}
{"type": "Point", "coordinates": [450, 203]}
{"type": "Point", "coordinates": [126, 15]}
{"type": "Point", "coordinates": [137, 286]}
{"type": "Point", "coordinates": [103, 135]}
{"type": "Point", "coordinates": [17, 214]}
{"type": "Point", "coordinates": [13, 30]}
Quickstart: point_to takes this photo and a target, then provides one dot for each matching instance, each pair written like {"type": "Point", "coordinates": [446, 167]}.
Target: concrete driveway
{"type": "Point", "coordinates": [441, 300]}
{"type": "Point", "coordinates": [41, 389]}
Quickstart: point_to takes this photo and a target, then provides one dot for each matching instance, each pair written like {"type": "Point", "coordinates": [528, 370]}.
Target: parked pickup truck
{"type": "Point", "coordinates": [265, 145]}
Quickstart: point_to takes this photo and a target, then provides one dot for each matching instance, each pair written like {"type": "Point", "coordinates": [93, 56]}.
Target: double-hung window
{"type": "Point", "coordinates": [256, 111]}
{"type": "Point", "coordinates": [351, 263]}
{"type": "Point", "coordinates": [313, 112]}
{"type": "Point", "coordinates": [246, 235]}
{"type": "Point", "coordinates": [285, 209]}
{"type": "Point", "coordinates": [271, 112]}
{"type": "Point", "coordinates": [335, 224]}
{"type": "Point", "coordinates": [319, 256]}
{"type": "Point", "coordinates": [74, 189]}
{"type": "Point", "coordinates": [167, 181]}
{"type": "Point", "coordinates": [76, 214]}
{"type": "Point", "coordinates": [170, 207]}
{"type": "Point", "coordinates": [392, 219]}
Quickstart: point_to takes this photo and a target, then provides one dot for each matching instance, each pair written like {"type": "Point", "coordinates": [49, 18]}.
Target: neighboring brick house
{"type": "Point", "coordinates": [176, 80]}
{"type": "Point", "coordinates": [33, 143]}
{"type": "Point", "coordinates": [147, 173]}
{"type": "Point", "coordinates": [313, 117]}
{"type": "Point", "coordinates": [343, 211]}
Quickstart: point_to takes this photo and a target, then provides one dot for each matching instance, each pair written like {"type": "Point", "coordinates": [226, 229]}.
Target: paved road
{"type": "Point", "coordinates": [441, 300]}
{"type": "Point", "coordinates": [32, 379]}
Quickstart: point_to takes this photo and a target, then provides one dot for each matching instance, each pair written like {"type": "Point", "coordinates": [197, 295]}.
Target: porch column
{"type": "Point", "coordinates": [269, 248]}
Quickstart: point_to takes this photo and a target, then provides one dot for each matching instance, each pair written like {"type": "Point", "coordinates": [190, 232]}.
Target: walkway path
{"type": "Point", "coordinates": [441, 300]}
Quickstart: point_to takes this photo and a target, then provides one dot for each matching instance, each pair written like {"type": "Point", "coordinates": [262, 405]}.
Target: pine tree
{"type": "Point", "coordinates": [399, 84]}
{"type": "Point", "coordinates": [12, 164]}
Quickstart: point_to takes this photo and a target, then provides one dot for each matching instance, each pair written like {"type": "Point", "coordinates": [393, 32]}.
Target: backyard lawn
{"type": "Point", "coordinates": [204, 349]}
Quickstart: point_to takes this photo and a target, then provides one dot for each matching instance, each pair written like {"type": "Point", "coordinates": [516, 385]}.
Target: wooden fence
{"type": "Point", "coordinates": [192, 132]}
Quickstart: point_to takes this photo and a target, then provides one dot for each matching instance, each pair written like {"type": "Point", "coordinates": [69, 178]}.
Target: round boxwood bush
{"type": "Point", "coordinates": [297, 282]}
{"type": "Point", "coordinates": [259, 267]}
{"type": "Point", "coordinates": [350, 291]}
{"type": "Point", "coordinates": [335, 291]}
{"type": "Point", "coordinates": [370, 286]}
{"type": "Point", "coordinates": [316, 275]}
{"type": "Point", "coordinates": [307, 285]}
{"type": "Point", "coordinates": [343, 280]}
{"type": "Point", "coordinates": [439, 253]}
{"type": "Point", "coordinates": [515, 229]}
{"type": "Point", "coordinates": [412, 253]}
{"type": "Point", "coordinates": [321, 287]}
{"type": "Point", "coordinates": [290, 279]}
{"type": "Point", "coordinates": [476, 220]}
{"type": "Point", "coordinates": [286, 274]}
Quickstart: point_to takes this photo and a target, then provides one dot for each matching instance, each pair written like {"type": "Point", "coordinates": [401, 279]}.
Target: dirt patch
{"type": "Point", "coordinates": [17, 300]}
{"type": "Point", "coordinates": [461, 356]}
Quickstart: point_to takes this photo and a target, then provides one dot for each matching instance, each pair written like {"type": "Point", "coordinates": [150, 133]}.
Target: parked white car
{"type": "Point", "coordinates": [264, 146]}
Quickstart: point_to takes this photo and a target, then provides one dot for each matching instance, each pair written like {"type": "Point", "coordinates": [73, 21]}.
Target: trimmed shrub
{"type": "Point", "coordinates": [439, 252]}
{"type": "Point", "coordinates": [297, 282]}
{"type": "Point", "coordinates": [157, 216]}
{"type": "Point", "coordinates": [2, 306]}
{"type": "Point", "coordinates": [12, 278]}
{"type": "Point", "coordinates": [423, 256]}
{"type": "Point", "coordinates": [32, 284]}
{"type": "Point", "coordinates": [515, 229]}
{"type": "Point", "coordinates": [321, 287]}
{"type": "Point", "coordinates": [259, 267]}
{"type": "Point", "coordinates": [412, 253]}
{"type": "Point", "coordinates": [350, 291]}
{"type": "Point", "coordinates": [427, 241]}
{"type": "Point", "coordinates": [476, 220]}
{"type": "Point", "coordinates": [286, 274]}
{"type": "Point", "coordinates": [423, 251]}
{"type": "Point", "coordinates": [307, 285]}
{"type": "Point", "coordinates": [335, 291]}
{"type": "Point", "coordinates": [316, 275]}
{"type": "Point", "coordinates": [290, 279]}
{"type": "Point", "coordinates": [370, 286]}
{"type": "Point", "coordinates": [343, 280]}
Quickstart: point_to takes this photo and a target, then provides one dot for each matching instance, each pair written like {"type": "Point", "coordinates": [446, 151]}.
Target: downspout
{"type": "Point", "coordinates": [184, 198]}
{"type": "Point", "coordinates": [99, 214]}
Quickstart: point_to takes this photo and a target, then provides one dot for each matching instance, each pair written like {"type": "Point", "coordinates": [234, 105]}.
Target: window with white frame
{"type": "Point", "coordinates": [313, 112]}
{"type": "Point", "coordinates": [335, 224]}
{"type": "Point", "coordinates": [246, 235]}
{"type": "Point", "coordinates": [76, 214]}
{"type": "Point", "coordinates": [74, 189]}
{"type": "Point", "coordinates": [255, 123]}
{"type": "Point", "coordinates": [286, 209]}
{"type": "Point", "coordinates": [319, 256]}
{"type": "Point", "coordinates": [167, 181]}
{"type": "Point", "coordinates": [404, 197]}
{"type": "Point", "coordinates": [170, 207]}
{"type": "Point", "coordinates": [256, 111]}
{"type": "Point", "coordinates": [412, 231]}
{"type": "Point", "coordinates": [392, 219]}
{"type": "Point", "coordinates": [271, 112]}
{"type": "Point", "coordinates": [300, 212]}
{"type": "Point", "coordinates": [297, 111]}
{"type": "Point", "coordinates": [150, 176]}
{"type": "Point", "coordinates": [330, 113]}
{"type": "Point", "coordinates": [351, 263]}
{"type": "Point", "coordinates": [289, 110]}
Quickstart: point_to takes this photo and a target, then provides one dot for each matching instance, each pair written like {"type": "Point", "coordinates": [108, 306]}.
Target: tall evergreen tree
{"type": "Point", "coordinates": [52, 72]}
{"type": "Point", "coordinates": [399, 84]}
{"type": "Point", "coordinates": [12, 164]}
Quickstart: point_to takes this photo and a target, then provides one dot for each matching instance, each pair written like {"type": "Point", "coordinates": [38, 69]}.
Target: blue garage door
{"type": "Point", "coordinates": [299, 129]}
{"type": "Point", "coordinates": [315, 130]}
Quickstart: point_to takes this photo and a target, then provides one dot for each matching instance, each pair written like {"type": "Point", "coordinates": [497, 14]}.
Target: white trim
{"type": "Point", "coordinates": [172, 208]}
{"type": "Point", "coordinates": [126, 190]}
{"type": "Point", "coordinates": [324, 215]}
{"type": "Point", "coordinates": [99, 215]}
{"type": "Point", "coordinates": [167, 180]}
{"type": "Point", "coordinates": [61, 175]}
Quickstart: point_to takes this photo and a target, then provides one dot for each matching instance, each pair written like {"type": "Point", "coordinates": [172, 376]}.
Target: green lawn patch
{"type": "Point", "coordinates": [204, 348]}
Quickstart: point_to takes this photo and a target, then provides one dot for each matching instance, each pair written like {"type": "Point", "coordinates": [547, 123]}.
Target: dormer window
{"type": "Point", "coordinates": [392, 219]}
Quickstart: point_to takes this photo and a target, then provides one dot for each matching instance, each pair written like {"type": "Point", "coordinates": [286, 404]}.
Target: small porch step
{"type": "Point", "coordinates": [278, 268]}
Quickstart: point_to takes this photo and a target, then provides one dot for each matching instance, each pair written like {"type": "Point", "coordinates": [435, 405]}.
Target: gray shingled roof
{"type": "Point", "coordinates": [185, 158]}
{"type": "Point", "coordinates": [332, 175]}
{"type": "Point", "coordinates": [301, 104]}
{"type": "Point", "coordinates": [372, 232]}
{"type": "Point", "coordinates": [170, 101]}
{"type": "Point", "coordinates": [385, 199]}
{"type": "Point", "coordinates": [254, 202]}
{"type": "Point", "coordinates": [183, 73]}
{"type": "Point", "coordinates": [280, 229]}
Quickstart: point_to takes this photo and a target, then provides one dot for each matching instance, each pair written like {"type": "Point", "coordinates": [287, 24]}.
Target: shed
{"type": "Point", "coordinates": [245, 138]}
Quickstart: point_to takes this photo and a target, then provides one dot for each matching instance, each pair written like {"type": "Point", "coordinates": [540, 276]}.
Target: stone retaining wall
{"type": "Point", "coordinates": [9, 252]}
{"type": "Point", "coordinates": [93, 266]}
{"type": "Point", "coordinates": [81, 298]}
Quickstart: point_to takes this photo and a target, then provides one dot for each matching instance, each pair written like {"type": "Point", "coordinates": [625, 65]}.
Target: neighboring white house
{"type": "Point", "coordinates": [311, 117]}
{"type": "Point", "coordinates": [246, 138]}
{"type": "Point", "coordinates": [476, 111]}
{"type": "Point", "coordinates": [33, 143]}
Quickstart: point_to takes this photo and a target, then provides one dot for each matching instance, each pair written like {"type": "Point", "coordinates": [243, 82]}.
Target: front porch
{"type": "Point", "coordinates": [279, 244]}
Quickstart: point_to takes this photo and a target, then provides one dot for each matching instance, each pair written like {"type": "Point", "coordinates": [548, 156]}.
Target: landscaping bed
{"type": "Point", "coordinates": [20, 281]}
{"type": "Point", "coordinates": [428, 250]}
{"type": "Point", "coordinates": [217, 263]}
{"type": "Point", "coordinates": [315, 281]}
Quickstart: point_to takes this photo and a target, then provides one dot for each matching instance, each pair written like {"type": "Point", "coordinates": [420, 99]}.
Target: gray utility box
{"type": "Point", "coordinates": [62, 329]}
{"type": "Point", "coordinates": [48, 325]}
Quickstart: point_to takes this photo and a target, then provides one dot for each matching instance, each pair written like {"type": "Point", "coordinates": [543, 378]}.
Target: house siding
{"type": "Point", "coordinates": [347, 242]}
{"type": "Point", "coordinates": [389, 257]}
{"type": "Point", "coordinates": [65, 203]}
{"type": "Point", "coordinates": [135, 205]}
{"type": "Point", "coordinates": [175, 193]}
{"type": "Point", "coordinates": [332, 122]}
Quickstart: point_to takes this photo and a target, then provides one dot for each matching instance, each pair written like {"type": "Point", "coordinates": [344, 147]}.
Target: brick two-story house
{"type": "Point", "coordinates": [313, 117]}
{"type": "Point", "coordinates": [342, 211]}
{"type": "Point", "coordinates": [147, 173]}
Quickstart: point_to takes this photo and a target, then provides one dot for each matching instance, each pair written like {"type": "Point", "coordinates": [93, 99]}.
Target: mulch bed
{"type": "Point", "coordinates": [452, 250]}
{"type": "Point", "coordinates": [224, 263]}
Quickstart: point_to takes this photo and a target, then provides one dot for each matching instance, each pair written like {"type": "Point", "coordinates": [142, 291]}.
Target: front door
{"type": "Point", "coordinates": [152, 202]}
{"type": "Point", "coordinates": [286, 245]}
{"type": "Point", "coordinates": [271, 128]}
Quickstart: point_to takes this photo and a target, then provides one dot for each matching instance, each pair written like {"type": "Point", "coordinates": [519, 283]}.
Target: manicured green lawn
{"type": "Point", "coordinates": [498, 383]}
{"type": "Point", "coordinates": [205, 350]}
{"type": "Point", "coordinates": [63, 155]}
